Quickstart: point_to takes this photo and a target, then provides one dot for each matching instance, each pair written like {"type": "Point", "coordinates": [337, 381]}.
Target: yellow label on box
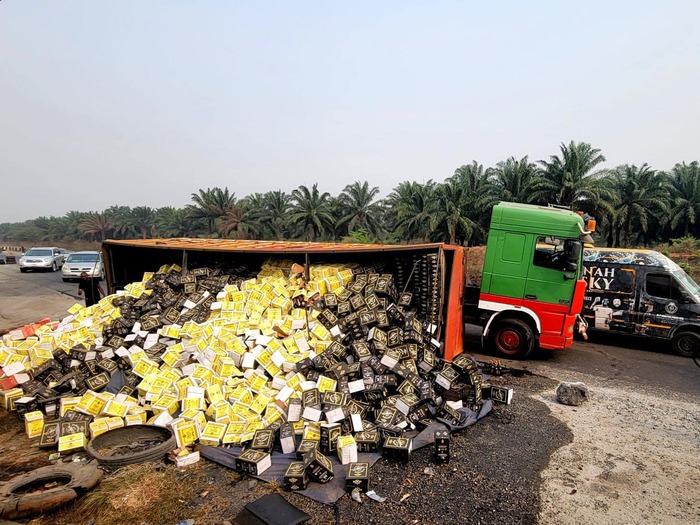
{"type": "Point", "coordinates": [112, 408]}
{"type": "Point", "coordinates": [171, 357]}
{"type": "Point", "coordinates": [135, 419]}
{"type": "Point", "coordinates": [114, 422]}
{"type": "Point", "coordinates": [212, 433]}
{"type": "Point", "coordinates": [98, 426]}
{"type": "Point", "coordinates": [256, 382]}
{"type": "Point", "coordinates": [75, 308]}
{"type": "Point", "coordinates": [215, 394]}
{"type": "Point", "coordinates": [196, 403]}
{"type": "Point", "coordinates": [312, 433]}
{"type": "Point", "coordinates": [34, 423]}
{"type": "Point", "coordinates": [186, 433]}
{"type": "Point", "coordinates": [260, 403]}
{"type": "Point", "coordinates": [72, 442]}
{"type": "Point", "coordinates": [326, 384]}
{"type": "Point", "coordinates": [91, 404]}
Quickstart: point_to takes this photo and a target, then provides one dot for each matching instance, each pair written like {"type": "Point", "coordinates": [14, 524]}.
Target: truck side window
{"type": "Point", "coordinates": [663, 286]}
{"type": "Point", "coordinates": [549, 253]}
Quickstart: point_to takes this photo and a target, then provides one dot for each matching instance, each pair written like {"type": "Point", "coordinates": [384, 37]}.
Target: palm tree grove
{"type": "Point", "coordinates": [633, 205]}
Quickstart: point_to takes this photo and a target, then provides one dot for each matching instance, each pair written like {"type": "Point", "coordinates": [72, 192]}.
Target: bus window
{"type": "Point", "coordinates": [663, 286]}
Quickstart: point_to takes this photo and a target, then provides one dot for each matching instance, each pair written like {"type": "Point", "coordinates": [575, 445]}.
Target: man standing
{"type": "Point", "coordinates": [92, 288]}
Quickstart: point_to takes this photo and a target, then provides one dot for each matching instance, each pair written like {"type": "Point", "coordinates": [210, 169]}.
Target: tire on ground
{"type": "Point", "coordinates": [98, 446]}
{"type": "Point", "coordinates": [14, 504]}
{"type": "Point", "coordinates": [686, 344]}
{"type": "Point", "coordinates": [512, 338]}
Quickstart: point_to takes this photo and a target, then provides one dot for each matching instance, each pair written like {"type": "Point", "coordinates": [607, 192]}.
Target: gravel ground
{"type": "Point", "coordinates": [493, 477]}
{"type": "Point", "coordinates": [628, 456]}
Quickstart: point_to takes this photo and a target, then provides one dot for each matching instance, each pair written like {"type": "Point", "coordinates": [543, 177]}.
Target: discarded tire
{"type": "Point", "coordinates": [132, 444]}
{"type": "Point", "coordinates": [18, 501]}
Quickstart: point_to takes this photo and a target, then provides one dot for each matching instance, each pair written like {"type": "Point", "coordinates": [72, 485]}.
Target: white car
{"type": "Point", "coordinates": [42, 258]}
{"type": "Point", "coordinates": [79, 262]}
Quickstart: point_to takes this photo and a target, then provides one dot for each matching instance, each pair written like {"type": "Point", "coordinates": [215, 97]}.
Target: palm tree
{"type": "Point", "coordinates": [310, 211]}
{"type": "Point", "coordinates": [74, 218]}
{"type": "Point", "coordinates": [176, 222]}
{"type": "Point", "coordinates": [686, 202]}
{"type": "Point", "coordinates": [96, 225]}
{"type": "Point", "coordinates": [60, 229]}
{"type": "Point", "coordinates": [231, 220]}
{"type": "Point", "coordinates": [122, 224]}
{"type": "Point", "coordinates": [211, 204]}
{"type": "Point", "coordinates": [451, 220]}
{"type": "Point", "coordinates": [411, 207]}
{"type": "Point", "coordinates": [513, 179]}
{"type": "Point", "coordinates": [273, 214]}
{"type": "Point", "coordinates": [479, 198]}
{"type": "Point", "coordinates": [142, 221]}
{"type": "Point", "coordinates": [642, 194]}
{"type": "Point", "coordinates": [569, 180]}
{"type": "Point", "coordinates": [359, 209]}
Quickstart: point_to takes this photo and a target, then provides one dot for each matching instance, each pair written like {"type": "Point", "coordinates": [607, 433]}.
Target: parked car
{"type": "Point", "coordinates": [79, 262]}
{"type": "Point", "coordinates": [42, 258]}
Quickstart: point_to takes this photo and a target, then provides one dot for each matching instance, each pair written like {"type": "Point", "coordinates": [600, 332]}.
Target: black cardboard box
{"type": "Point", "coordinates": [358, 477]}
{"type": "Point", "coordinates": [263, 439]}
{"type": "Point", "coordinates": [306, 447]}
{"type": "Point", "coordinates": [398, 448]}
{"type": "Point", "coordinates": [329, 437]}
{"type": "Point", "coordinates": [442, 446]}
{"type": "Point", "coordinates": [319, 467]}
{"type": "Point", "coordinates": [295, 478]}
{"type": "Point", "coordinates": [253, 462]}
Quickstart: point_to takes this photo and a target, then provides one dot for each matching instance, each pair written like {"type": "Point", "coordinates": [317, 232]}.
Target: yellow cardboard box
{"type": "Point", "coordinates": [72, 442]}
{"type": "Point", "coordinates": [34, 423]}
{"type": "Point", "coordinates": [186, 432]}
{"type": "Point", "coordinates": [213, 433]}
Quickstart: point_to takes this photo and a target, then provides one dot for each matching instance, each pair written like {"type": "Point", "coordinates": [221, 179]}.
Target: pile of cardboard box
{"type": "Point", "coordinates": [334, 354]}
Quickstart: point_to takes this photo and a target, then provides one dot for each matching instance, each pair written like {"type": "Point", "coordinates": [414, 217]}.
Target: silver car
{"type": "Point", "coordinates": [42, 258]}
{"type": "Point", "coordinates": [79, 262]}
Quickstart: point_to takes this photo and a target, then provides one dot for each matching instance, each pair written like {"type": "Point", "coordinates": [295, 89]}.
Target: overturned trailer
{"type": "Point", "coordinates": [432, 273]}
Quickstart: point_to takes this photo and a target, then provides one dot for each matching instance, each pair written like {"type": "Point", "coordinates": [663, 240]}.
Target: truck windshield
{"type": "Point", "coordinates": [686, 282]}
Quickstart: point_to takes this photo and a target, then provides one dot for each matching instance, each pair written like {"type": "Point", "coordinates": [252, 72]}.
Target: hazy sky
{"type": "Point", "coordinates": [144, 102]}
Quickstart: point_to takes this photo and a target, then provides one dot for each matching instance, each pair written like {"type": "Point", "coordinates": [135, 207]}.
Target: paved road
{"type": "Point", "coordinates": [621, 360]}
{"type": "Point", "coordinates": [28, 297]}
{"type": "Point", "coordinates": [31, 296]}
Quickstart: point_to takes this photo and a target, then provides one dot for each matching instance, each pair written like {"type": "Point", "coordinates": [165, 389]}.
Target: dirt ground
{"type": "Point", "coordinates": [624, 457]}
{"type": "Point", "coordinates": [633, 458]}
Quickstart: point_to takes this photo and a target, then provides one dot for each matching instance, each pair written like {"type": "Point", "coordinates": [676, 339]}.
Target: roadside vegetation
{"type": "Point", "coordinates": [633, 205]}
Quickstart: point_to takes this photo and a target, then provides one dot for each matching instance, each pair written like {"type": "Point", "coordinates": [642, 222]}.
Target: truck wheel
{"type": "Point", "coordinates": [512, 338]}
{"type": "Point", "coordinates": [686, 344]}
{"type": "Point", "coordinates": [23, 270]}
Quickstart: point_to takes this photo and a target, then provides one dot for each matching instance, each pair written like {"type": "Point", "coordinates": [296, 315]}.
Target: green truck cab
{"type": "Point", "coordinates": [532, 290]}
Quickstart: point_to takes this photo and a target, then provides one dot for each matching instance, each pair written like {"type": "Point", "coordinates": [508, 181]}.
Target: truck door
{"type": "Point", "coordinates": [661, 306]}
{"type": "Point", "coordinates": [550, 284]}
{"type": "Point", "coordinates": [548, 280]}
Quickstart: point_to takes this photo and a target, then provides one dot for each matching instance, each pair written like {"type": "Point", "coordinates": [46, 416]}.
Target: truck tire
{"type": "Point", "coordinates": [73, 479]}
{"type": "Point", "coordinates": [23, 270]}
{"type": "Point", "coordinates": [686, 344]}
{"type": "Point", "coordinates": [512, 338]}
{"type": "Point", "coordinates": [114, 448]}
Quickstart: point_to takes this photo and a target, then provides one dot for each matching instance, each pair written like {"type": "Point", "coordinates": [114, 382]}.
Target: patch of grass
{"type": "Point", "coordinates": [133, 494]}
